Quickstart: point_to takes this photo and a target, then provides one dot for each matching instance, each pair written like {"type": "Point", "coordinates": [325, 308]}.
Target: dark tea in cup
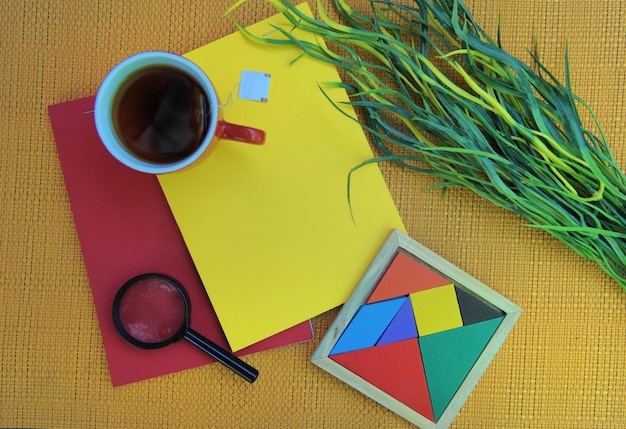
{"type": "Point", "coordinates": [161, 114]}
{"type": "Point", "coordinates": [158, 112]}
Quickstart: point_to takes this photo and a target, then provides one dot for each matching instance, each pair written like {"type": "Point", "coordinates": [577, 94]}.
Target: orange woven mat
{"type": "Point", "coordinates": [563, 366]}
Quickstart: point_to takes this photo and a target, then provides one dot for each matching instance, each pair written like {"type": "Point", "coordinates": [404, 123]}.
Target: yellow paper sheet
{"type": "Point", "coordinates": [269, 227]}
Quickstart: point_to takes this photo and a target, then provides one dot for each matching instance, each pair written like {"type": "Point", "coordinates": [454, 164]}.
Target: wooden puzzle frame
{"type": "Point", "coordinates": [397, 241]}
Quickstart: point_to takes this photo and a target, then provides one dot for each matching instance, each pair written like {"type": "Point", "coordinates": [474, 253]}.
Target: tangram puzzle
{"type": "Point", "coordinates": [417, 333]}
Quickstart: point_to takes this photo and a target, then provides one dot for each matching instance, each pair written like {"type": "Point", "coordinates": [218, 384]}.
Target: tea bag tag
{"type": "Point", "coordinates": [254, 86]}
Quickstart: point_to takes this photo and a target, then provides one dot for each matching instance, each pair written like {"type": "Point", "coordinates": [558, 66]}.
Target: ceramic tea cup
{"type": "Point", "coordinates": [158, 112]}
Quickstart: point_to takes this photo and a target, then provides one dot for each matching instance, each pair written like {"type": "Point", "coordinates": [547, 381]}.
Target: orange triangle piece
{"type": "Point", "coordinates": [404, 276]}
{"type": "Point", "coordinates": [396, 369]}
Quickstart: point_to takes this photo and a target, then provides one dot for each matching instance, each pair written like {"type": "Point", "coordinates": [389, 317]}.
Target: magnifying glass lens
{"type": "Point", "coordinates": [152, 310]}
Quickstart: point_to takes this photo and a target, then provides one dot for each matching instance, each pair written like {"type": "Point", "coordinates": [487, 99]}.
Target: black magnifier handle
{"type": "Point", "coordinates": [222, 356]}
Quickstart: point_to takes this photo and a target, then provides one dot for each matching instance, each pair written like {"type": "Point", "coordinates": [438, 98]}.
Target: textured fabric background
{"type": "Point", "coordinates": [562, 367]}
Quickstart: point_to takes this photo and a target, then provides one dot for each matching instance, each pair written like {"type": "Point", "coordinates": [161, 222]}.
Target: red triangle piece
{"type": "Point", "coordinates": [404, 276]}
{"type": "Point", "coordinates": [395, 368]}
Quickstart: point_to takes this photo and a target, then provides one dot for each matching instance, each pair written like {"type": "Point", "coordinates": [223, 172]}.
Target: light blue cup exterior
{"type": "Point", "coordinates": [103, 108]}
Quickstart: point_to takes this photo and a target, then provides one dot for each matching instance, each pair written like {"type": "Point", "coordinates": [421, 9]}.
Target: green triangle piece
{"type": "Point", "coordinates": [395, 368]}
{"type": "Point", "coordinates": [450, 355]}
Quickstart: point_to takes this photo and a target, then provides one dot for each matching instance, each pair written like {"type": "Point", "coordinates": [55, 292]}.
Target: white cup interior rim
{"type": "Point", "coordinates": [106, 96]}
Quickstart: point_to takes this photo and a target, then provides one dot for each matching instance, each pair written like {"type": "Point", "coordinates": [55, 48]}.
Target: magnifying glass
{"type": "Point", "coordinates": [151, 311]}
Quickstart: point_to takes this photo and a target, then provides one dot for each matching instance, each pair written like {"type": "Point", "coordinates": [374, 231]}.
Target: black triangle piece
{"type": "Point", "coordinates": [473, 309]}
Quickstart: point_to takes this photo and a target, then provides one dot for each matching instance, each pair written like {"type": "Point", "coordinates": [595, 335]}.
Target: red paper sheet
{"type": "Point", "coordinates": [125, 228]}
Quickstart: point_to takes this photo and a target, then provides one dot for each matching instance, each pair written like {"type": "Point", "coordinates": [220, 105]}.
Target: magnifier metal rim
{"type": "Point", "coordinates": [117, 320]}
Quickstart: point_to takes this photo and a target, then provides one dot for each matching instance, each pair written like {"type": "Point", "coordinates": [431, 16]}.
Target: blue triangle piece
{"type": "Point", "coordinates": [402, 327]}
{"type": "Point", "coordinates": [367, 325]}
{"type": "Point", "coordinates": [450, 355]}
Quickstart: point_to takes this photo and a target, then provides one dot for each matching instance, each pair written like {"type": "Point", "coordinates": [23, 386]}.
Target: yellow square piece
{"type": "Point", "coordinates": [436, 310]}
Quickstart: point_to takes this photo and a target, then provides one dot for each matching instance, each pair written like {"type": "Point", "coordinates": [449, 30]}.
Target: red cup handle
{"type": "Point", "coordinates": [226, 130]}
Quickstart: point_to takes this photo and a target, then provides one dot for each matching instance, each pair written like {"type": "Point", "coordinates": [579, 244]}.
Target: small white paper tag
{"type": "Point", "coordinates": [254, 86]}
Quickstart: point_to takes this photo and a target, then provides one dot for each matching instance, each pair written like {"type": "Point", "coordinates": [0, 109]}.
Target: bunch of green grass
{"type": "Point", "coordinates": [440, 96]}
